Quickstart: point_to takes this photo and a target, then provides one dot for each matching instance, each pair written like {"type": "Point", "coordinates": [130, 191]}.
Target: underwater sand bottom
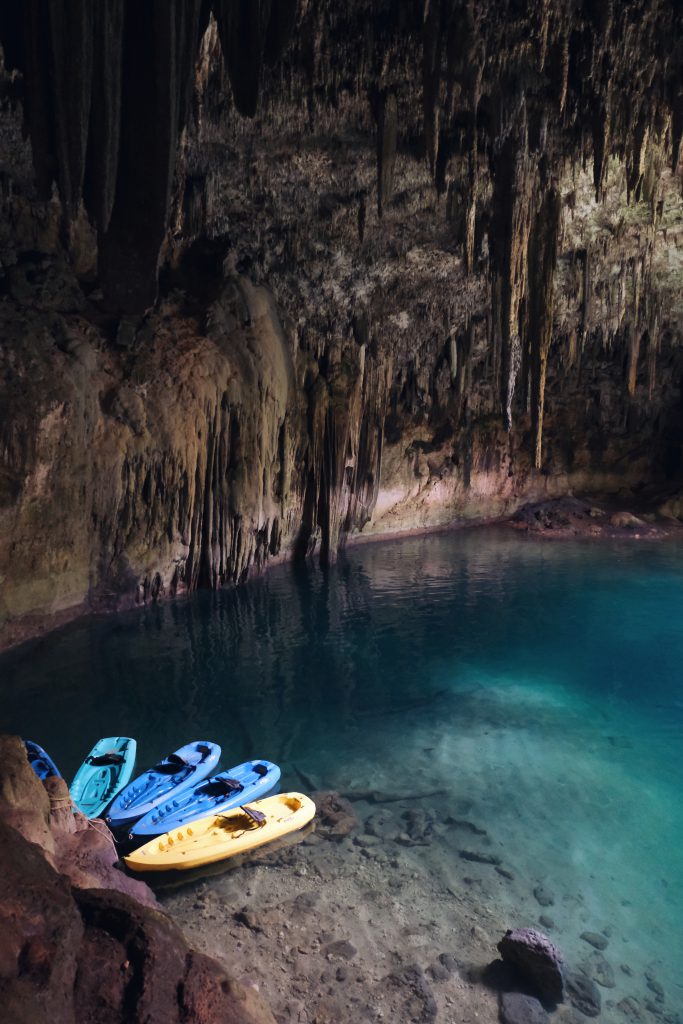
{"type": "Point", "coordinates": [553, 815]}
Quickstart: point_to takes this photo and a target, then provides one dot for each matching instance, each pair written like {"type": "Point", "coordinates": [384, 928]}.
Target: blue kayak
{"type": "Point", "coordinates": [237, 786]}
{"type": "Point", "coordinates": [176, 773]}
{"type": "Point", "coordinates": [42, 763]}
{"type": "Point", "coordinates": [105, 771]}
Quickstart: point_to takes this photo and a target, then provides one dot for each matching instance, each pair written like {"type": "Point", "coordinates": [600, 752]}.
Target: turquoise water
{"type": "Point", "coordinates": [539, 684]}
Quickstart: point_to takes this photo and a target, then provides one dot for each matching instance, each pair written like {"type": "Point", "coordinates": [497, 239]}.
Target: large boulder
{"type": "Point", "coordinates": [69, 955]}
{"type": "Point", "coordinates": [24, 801]}
{"type": "Point", "coordinates": [44, 813]}
{"type": "Point", "coordinates": [537, 959]}
{"type": "Point", "coordinates": [79, 940]}
{"type": "Point", "coordinates": [41, 932]}
{"type": "Point", "coordinates": [142, 970]}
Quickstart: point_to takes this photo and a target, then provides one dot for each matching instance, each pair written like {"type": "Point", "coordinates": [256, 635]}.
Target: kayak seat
{"type": "Point", "coordinates": [110, 757]}
{"type": "Point", "coordinates": [258, 817]}
{"type": "Point", "coordinates": [260, 769]}
{"type": "Point", "coordinates": [203, 749]}
{"type": "Point", "coordinates": [221, 787]}
{"type": "Point", "coordinates": [171, 765]}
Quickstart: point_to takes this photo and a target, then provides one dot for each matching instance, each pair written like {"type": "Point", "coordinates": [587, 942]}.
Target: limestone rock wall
{"type": "Point", "coordinates": [274, 274]}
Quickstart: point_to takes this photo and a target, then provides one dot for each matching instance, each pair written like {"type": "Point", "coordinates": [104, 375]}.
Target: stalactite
{"type": "Point", "coordinates": [280, 28]}
{"type": "Point", "coordinates": [38, 96]}
{"type": "Point", "coordinates": [243, 28]}
{"type": "Point", "coordinates": [105, 112]}
{"type": "Point", "coordinates": [71, 24]}
{"type": "Point", "coordinates": [633, 355]}
{"type": "Point", "coordinates": [470, 226]}
{"type": "Point", "coordinates": [160, 46]}
{"type": "Point", "coordinates": [601, 142]}
{"type": "Point", "coordinates": [587, 298]}
{"type": "Point", "coordinates": [676, 128]}
{"type": "Point", "coordinates": [431, 78]}
{"type": "Point", "coordinates": [511, 223]}
{"type": "Point", "coordinates": [637, 157]}
{"type": "Point", "coordinates": [542, 262]}
{"type": "Point", "coordinates": [387, 134]}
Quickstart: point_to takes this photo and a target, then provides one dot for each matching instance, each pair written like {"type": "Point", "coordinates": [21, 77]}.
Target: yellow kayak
{"type": "Point", "coordinates": [224, 835]}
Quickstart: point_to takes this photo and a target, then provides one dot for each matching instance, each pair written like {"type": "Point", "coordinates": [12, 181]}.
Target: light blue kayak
{"type": "Point", "coordinates": [42, 763]}
{"type": "Point", "coordinates": [237, 786]}
{"type": "Point", "coordinates": [105, 771]}
{"type": "Point", "coordinates": [176, 773]}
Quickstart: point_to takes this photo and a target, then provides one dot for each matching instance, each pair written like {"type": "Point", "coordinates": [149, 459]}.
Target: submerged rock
{"type": "Point", "coordinates": [595, 939]}
{"type": "Point", "coordinates": [537, 959]}
{"type": "Point", "coordinates": [335, 815]}
{"type": "Point", "coordinates": [543, 897]}
{"type": "Point", "coordinates": [583, 993]}
{"type": "Point", "coordinates": [516, 1008]}
{"type": "Point", "coordinates": [342, 948]}
{"type": "Point", "coordinates": [600, 970]}
{"type": "Point", "coordinates": [477, 857]}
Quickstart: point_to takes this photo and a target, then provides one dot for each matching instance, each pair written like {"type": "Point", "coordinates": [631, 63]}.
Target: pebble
{"type": "Point", "coordinates": [438, 972]}
{"type": "Point", "coordinates": [306, 900]}
{"type": "Point", "coordinates": [543, 896]}
{"type": "Point", "coordinates": [595, 939]}
{"type": "Point", "coordinates": [343, 948]}
{"type": "Point", "coordinates": [366, 841]}
{"type": "Point", "coordinates": [601, 971]}
{"type": "Point", "coordinates": [545, 921]}
{"type": "Point", "coordinates": [505, 873]}
{"type": "Point", "coordinates": [479, 858]}
{"type": "Point", "coordinates": [630, 1008]}
{"type": "Point", "coordinates": [448, 961]}
{"type": "Point", "coordinates": [654, 986]}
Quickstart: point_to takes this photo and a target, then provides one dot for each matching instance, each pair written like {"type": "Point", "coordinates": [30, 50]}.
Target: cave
{"type": "Point", "coordinates": [278, 279]}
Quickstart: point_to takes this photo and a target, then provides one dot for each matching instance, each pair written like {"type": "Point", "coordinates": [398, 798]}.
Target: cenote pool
{"type": "Point", "coordinates": [536, 685]}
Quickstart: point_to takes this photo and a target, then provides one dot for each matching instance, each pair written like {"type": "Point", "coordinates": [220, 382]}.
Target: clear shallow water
{"type": "Point", "coordinates": [539, 684]}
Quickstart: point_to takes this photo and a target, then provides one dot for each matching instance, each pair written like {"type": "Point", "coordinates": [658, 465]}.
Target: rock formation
{"type": "Point", "coordinates": [80, 941]}
{"type": "Point", "coordinates": [277, 273]}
